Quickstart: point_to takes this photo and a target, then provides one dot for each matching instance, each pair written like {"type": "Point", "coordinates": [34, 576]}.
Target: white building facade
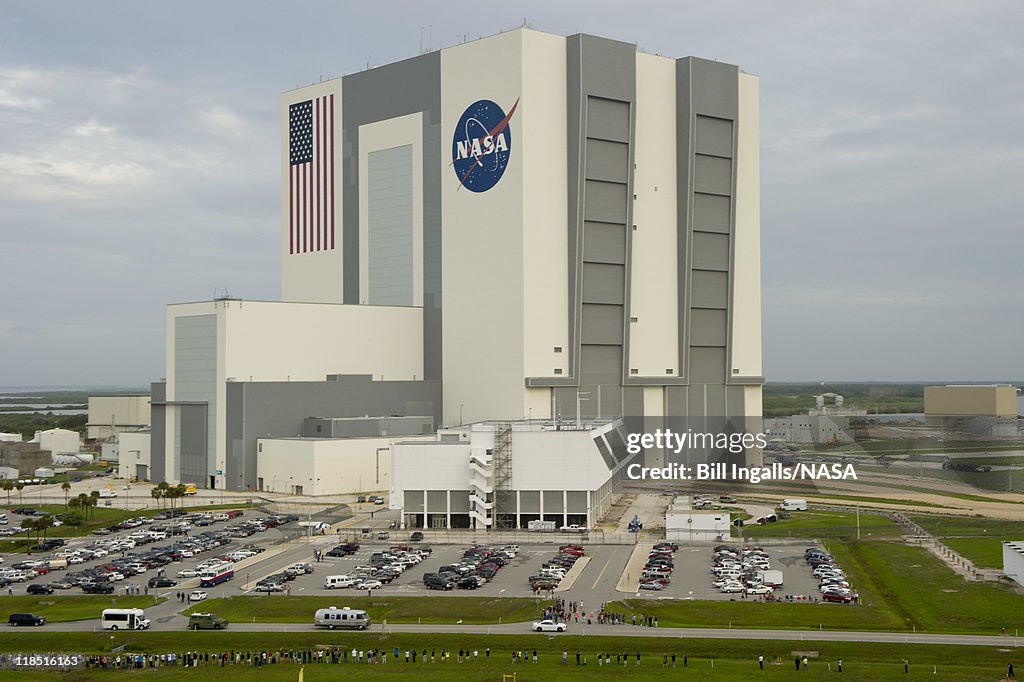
{"type": "Point", "coordinates": [506, 474]}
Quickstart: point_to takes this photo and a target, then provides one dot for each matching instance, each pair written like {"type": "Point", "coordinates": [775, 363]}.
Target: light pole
{"type": "Point", "coordinates": [460, 414]}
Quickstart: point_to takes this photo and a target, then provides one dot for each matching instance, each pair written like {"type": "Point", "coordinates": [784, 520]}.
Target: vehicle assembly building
{"type": "Point", "coordinates": [524, 228]}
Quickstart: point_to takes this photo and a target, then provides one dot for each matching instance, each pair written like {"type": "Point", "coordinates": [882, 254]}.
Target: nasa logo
{"type": "Point", "coordinates": [482, 145]}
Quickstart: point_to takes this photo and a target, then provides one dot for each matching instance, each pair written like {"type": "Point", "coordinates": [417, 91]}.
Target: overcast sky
{"type": "Point", "coordinates": [139, 166]}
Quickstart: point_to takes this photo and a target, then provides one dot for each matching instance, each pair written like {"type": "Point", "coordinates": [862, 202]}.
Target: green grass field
{"type": "Point", "coordinates": [977, 538]}
{"type": "Point", "coordinates": [281, 609]}
{"type": "Point", "coordinates": [710, 659]}
{"type": "Point", "coordinates": [983, 552]}
{"type": "Point", "coordinates": [742, 614]}
{"type": "Point", "coordinates": [62, 608]}
{"type": "Point", "coordinates": [826, 525]}
{"type": "Point", "coordinates": [924, 593]}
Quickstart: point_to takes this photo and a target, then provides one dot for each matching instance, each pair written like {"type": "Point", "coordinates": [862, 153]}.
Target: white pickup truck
{"type": "Point", "coordinates": [573, 528]}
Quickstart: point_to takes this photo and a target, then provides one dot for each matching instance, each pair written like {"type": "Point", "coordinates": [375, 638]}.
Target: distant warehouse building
{"type": "Point", "coordinates": [983, 410]}
{"type": "Point", "coordinates": [113, 414]}
{"type": "Point", "coordinates": [506, 474]}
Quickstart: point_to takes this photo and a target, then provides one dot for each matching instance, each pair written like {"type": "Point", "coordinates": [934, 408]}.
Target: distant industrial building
{"type": "Point", "coordinates": [980, 410]}
{"type": "Point", "coordinates": [113, 414]}
{"type": "Point", "coordinates": [10, 437]}
{"type": "Point", "coordinates": [824, 424]}
{"type": "Point", "coordinates": [25, 457]}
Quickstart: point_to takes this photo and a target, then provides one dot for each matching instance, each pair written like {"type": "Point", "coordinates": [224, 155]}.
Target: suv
{"type": "Point", "coordinates": [37, 588]}
{"type": "Point", "coordinates": [206, 621]}
{"type": "Point", "coordinates": [436, 582]}
{"type": "Point", "coordinates": [18, 619]}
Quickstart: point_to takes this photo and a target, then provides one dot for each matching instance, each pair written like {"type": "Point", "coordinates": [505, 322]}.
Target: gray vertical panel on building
{"type": "Point", "coordinates": [707, 105]}
{"type": "Point", "coordinates": [389, 218]}
{"type": "Point", "coordinates": [709, 327]}
{"type": "Point", "coordinates": [712, 213]}
{"type": "Point", "coordinates": [604, 243]}
{"type": "Point", "coordinates": [601, 91]}
{"type": "Point", "coordinates": [437, 501]}
{"type": "Point", "coordinates": [602, 325]}
{"type": "Point", "coordinates": [413, 502]}
{"type": "Point", "coordinates": [554, 503]}
{"type": "Point", "coordinates": [158, 432]}
{"type": "Point", "coordinates": [459, 501]}
{"type": "Point", "coordinates": [576, 501]}
{"type": "Point", "coordinates": [195, 376]}
{"type": "Point", "coordinates": [192, 443]}
{"type": "Point", "coordinates": [608, 161]}
{"type": "Point", "coordinates": [399, 89]}
{"type": "Point", "coordinates": [529, 501]}
{"type": "Point", "coordinates": [710, 251]}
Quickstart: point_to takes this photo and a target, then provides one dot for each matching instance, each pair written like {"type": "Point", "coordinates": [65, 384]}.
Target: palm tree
{"type": "Point", "coordinates": [8, 486]}
{"type": "Point", "coordinates": [94, 499]}
{"type": "Point", "coordinates": [66, 487]}
{"type": "Point", "coordinates": [44, 523]}
{"type": "Point", "coordinates": [159, 491]}
{"type": "Point", "coordinates": [20, 486]}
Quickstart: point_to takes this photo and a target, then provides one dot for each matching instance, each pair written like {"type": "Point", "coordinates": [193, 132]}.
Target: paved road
{"type": "Point", "coordinates": [180, 623]}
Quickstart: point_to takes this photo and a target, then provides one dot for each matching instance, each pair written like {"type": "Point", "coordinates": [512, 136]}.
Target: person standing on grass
{"type": "Point", "coordinates": [760, 662]}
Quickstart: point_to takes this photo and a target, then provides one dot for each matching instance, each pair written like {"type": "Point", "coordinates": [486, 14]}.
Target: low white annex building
{"type": "Point", "coordinates": [506, 474]}
{"type": "Point", "coordinates": [685, 524]}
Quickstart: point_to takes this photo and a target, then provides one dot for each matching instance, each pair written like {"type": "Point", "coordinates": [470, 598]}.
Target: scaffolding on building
{"type": "Point", "coordinates": [504, 503]}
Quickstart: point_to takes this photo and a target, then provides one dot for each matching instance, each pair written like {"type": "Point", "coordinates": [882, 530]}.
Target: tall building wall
{"type": "Point", "coordinates": [618, 250]}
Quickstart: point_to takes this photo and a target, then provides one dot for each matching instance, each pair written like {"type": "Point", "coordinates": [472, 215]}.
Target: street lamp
{"type": "Point", "coordinates": [460, 413]}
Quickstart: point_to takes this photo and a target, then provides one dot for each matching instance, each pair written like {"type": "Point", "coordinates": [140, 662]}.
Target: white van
{"type": "Point", "coordinates": [107, 493]}
{"type": "Point", "coordinates": [793, 505]}
{"type": "Point", "coordinates": [124, 619]}
{"type": "Point", "coordinates": [335, 581]}
{"type": "Point", "coordinates": [345, 618]}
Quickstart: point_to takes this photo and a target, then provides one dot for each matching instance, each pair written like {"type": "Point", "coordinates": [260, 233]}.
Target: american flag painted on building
{"type": "Point", "coordinates": [311, 175]}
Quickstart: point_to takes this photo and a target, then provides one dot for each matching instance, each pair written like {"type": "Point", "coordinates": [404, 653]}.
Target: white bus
{"type": "Point", "coordinates": [124, 619]}
{"type": "Point", "coordinates": [346, 618]}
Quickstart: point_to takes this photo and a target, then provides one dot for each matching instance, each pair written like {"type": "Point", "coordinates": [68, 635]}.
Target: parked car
{"type": "Point", "coordinates": [162, 582]}
{"type": "Point", "coordinates": [36, 588]}
{"type": "Point", "coordinates": [270, 587]}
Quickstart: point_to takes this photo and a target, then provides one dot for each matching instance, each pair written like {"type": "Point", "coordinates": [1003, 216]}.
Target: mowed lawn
{"type": "Point", "coordinates": [708, 659]}
{"type": "Point", "coordinates": [300, 609]}
{"type": "Point", "coordinates": [59, 608]}
{"type": "Point", "coordinates": [743, 614]}
{"type": "Point", "coordinates": [826, 525]}
{"type": "Point", "coordinates": [978, 538]}
{"type": "Point", "coordinates": [924, 593]}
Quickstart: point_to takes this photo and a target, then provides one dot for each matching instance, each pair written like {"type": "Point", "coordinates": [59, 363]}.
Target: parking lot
{"type": "Point", "coordinates": [692, 579]}
{"type": "Point", "coordinates": [605, 564]}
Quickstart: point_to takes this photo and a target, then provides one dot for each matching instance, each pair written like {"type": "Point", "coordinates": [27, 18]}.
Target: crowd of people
{"type": "Point", "coordinates": [574, 612]}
